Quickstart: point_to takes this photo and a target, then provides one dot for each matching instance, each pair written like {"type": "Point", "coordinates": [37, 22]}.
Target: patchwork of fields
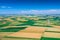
{"type": "Point", "coordinates": [29, 28]}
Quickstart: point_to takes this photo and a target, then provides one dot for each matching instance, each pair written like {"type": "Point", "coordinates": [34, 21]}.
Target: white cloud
{"type": "Point", "coordinates": [5, 7]}
{"type": "Point", "coordinates": [51, 11]}
{"type": "Point", "coordinates": [2, 6]}
{"type": "Point", "coordinates": [9, 7]}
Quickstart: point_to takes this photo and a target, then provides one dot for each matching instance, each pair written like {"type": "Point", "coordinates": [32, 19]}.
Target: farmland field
{"type": "Point", "coordinates": [30, 28]}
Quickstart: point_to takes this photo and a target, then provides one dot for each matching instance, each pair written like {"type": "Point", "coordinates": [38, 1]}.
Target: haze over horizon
{"type": "Point", "coordinates": [30, 6]}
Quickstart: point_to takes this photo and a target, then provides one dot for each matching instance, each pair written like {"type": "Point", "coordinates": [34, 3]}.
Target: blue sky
{"type": "Point", "coordinates": [29, 6]}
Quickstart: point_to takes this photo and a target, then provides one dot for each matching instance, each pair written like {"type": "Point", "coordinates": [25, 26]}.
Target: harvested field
{"type": "Point", "coordinates": [57, 27]}
{"type": "Point", "coordinates": [53, 30]}
{"type": "Point", "coordinates": [18, 39]}
{"type": "Point", "coordinates": [51, 35]}
{"type": "Point", "coordinates": [26, 35]}
{"type": "Point", "coordinates": [2, 34]}
{"type": "Point", "coordinates": [33, 30]}
{"type": "Point", "coordinates": [30, 32]}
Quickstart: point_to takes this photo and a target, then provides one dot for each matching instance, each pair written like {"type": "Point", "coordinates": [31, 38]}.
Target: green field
{"type": "Point", "coordinates": [10, 25]}
{"type": "Point", "coordinates": [13, 29]}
